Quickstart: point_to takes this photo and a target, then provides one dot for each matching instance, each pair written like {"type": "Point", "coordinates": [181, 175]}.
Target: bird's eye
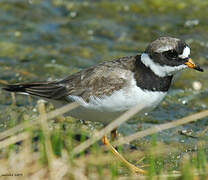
{"type": "Point", "coordinates": [171, 54]}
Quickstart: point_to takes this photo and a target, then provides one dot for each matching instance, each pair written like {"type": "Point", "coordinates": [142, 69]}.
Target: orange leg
{"type": "Point", "coordinates": [132, 167]}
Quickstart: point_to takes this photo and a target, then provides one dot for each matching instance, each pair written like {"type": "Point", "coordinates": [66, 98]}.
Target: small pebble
{"type": "Point", "coordinates": [73, 14]}
{"type": "Point", "coordinates": [17, 34]}
{"type": "Point", "coordinates": [34, 110]}
{"type": "Point", "coordinates": [90, 32]}
{"type": "Point", "coordinates": [193, 22]}
{"type": "Point", "coordinates": [126, 8]}
{"type": "Point", "coordinates": [178, 157]}
{"type": "Point", "coordinates": [53, 61]}
{"type": "Point", "coordinates": [196, 85]}
{"type": "Point", "coordinates": [30, 1]}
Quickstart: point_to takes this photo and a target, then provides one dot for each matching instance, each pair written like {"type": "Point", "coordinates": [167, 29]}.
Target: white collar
{"type": "Point", "coordinates": [158, 69]}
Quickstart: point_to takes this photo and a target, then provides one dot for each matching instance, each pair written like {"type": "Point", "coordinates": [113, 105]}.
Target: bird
{"type": "Point", "coordinates": [106, 90]}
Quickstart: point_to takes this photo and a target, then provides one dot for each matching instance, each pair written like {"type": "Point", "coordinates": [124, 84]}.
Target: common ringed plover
{"type": "Point", "coordinates": [108, 89]}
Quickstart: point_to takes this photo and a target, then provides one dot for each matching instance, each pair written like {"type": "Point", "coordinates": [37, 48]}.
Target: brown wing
{"type": "Point", "coordinates": [102, 79]}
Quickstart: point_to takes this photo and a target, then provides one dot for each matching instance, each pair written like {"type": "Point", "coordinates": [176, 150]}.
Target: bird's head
{"type": "Point", "coordinates": [167, 55]}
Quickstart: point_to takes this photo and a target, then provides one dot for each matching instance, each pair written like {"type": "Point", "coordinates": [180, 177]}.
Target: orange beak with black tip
{"type": "Point", "coordinates": [192, 65]}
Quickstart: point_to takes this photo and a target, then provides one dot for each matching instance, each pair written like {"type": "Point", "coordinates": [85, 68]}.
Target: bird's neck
{"type": "Point", "coordinates": [149, 80]}
{"type": "Point", "coordinates": [158, 69]}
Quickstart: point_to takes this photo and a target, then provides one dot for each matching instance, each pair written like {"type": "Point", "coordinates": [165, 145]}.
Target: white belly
{"type": "Point", "coordinates": [107, 108]}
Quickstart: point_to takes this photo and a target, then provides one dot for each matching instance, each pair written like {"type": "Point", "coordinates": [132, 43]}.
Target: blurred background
{"type": "Point", "coordinates": [50, 39]}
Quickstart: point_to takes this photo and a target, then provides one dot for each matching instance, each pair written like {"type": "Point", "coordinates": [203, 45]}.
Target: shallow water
{"type": "Point", "coordinates": [50, 39]}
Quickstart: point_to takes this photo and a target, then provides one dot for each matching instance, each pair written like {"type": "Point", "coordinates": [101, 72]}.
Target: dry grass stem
{"type": "Point", "coordinates": [162, 127]}
{"type": "Point", "coordinates": [14, 139]}
{"type": "Point", "coordinates": [162, 176]}
{"type": "Point", "coordinates": [13, 99]}
{"type": "Point", "coordinates": [46, 131]}
{"type": "Point", "coordinates": [124, 117]}
{"type": "Point", "coordinates": [60, 168]}
{"type": "Point", "coordinates": [16, 129]}
{"type": "Point", "coordinates": [3, 82]}
{"type": "Point", "coordinates": [62, 110]}
{"type": "Point", "coordinates": [49, 115]}
{"type": "Point", "coordinates": [54, 163]}
{"type": "Point", "coordinates": [98, 135]}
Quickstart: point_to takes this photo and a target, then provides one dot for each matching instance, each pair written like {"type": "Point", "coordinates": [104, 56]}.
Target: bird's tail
{"type": "Point", "coordinates": [50, 90]}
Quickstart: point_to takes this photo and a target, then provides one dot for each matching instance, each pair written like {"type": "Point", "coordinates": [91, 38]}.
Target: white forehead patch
{"type": "Point", "coordinates": [186, 53]}
{"type": "Point", "coordinates": [164, 48]}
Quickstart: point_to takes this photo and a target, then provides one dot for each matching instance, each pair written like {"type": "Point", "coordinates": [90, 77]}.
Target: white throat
{"type": "Point", "coordinates": [158, 69]}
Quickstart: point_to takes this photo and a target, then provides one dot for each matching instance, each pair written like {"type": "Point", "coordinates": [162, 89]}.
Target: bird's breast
{"type": "Point", "coordinates": [118, 102]}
